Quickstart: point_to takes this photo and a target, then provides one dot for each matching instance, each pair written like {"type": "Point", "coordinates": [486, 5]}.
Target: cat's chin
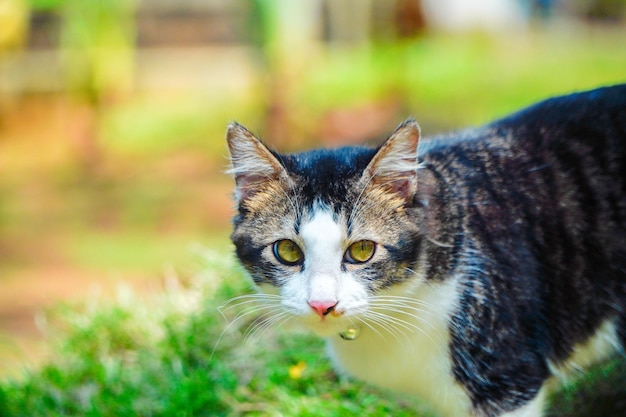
{"type": "Point", "coordinates": [326, 327]}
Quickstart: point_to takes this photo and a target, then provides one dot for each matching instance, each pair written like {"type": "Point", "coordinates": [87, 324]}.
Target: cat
{"type": "Point", "coordinates": [472, 270]}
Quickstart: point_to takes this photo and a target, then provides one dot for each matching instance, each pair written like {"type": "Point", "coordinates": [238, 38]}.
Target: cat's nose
{"type": "Point", "coordinates": [323, 308]}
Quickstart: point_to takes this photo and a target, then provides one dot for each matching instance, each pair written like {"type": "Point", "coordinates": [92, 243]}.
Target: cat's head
{"type": "Point", "coordinates": [327, 232]}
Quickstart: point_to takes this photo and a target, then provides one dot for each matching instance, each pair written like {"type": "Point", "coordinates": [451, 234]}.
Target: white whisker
{"type": "Point", "coordinates": [262, 324]}
{"type": "Point", "coordinates": [438, 243]}
{"type": "Point", "coordinates": [223, 310]}
{"type": "Point", "coordinates": [381, 320]}
{"type": "Point", "coordinates": [374, 329]}
{"type": "Point", "coordinates": [399, 323]}
{"type": "Point", "coordinates": [410, 312]}
{"type": "Point", "coordinates": [357, 205]}
{"type": "Point", "coordinates": [250, 304]}
{"type": "Point", "coordinates": [401, 314]}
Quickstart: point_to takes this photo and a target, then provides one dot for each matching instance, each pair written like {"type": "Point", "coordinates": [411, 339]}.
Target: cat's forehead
{"type": "Point", "coordinates": [322, 230]}
{"type": "Point", "coordinates": [329, 164]}
{"type": "Point", "coordinates": [327, 174]}
{"type": "Point", "coordinates": [348, 160]}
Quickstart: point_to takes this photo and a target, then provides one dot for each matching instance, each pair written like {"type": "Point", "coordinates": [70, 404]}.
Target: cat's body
{"type": "Point", "coordinates": [471, 276]}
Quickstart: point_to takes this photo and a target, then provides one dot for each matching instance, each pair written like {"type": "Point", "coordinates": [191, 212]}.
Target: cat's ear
{"type": "Point", "coordinates": [394, 166]}
{"type": "Point", "coordinates": [252, 163]}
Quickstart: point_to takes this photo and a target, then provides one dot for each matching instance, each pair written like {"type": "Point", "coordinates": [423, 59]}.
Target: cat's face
{"type": "Point", "coordinates": [328, 234]}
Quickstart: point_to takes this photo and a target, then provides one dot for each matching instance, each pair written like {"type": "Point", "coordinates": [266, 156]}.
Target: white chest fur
{"type": "Point", "coordinates": [413, 357]}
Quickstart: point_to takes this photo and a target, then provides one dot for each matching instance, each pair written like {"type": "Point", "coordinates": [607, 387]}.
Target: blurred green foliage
{"type": "Point", "coordinates": [46, 4]}
{"type": "Point", "coordinates": [97, 41]}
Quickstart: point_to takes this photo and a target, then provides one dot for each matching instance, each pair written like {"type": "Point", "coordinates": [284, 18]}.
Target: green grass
{"type": "Point", "coordinates": [601, 392]}
{"type": "Point", "coordinates": [175, 355]}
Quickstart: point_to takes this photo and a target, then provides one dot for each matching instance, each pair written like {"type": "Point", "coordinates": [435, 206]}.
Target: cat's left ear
{"type": "Point", "coordinates": [252, 163]}
{"type": "Point", "coordinates": [394, 166]}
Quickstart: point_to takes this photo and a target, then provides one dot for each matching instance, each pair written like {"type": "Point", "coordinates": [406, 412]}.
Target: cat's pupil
{"type": "Point", "coordinates": [288, 252]}
{"type": "Point", "coordinates": [361, 251]}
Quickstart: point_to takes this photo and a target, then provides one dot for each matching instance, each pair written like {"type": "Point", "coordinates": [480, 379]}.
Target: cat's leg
{"type": "Point", "coordinates": [534, 408]}
{"type": "Point", "coordinates": [497, 352]}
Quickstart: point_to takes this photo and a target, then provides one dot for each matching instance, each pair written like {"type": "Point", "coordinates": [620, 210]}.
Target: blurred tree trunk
{"type": "Point", "coordinates": [409, 18]}
{"type": "Point", "coordinates": [290, 30]}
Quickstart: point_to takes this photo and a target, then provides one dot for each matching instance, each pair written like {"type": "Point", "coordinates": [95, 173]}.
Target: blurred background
{"type": "Point", "coordinates": [113, 113]}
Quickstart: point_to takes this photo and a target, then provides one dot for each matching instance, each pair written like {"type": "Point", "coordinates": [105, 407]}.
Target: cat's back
{"type": "Point", "coordinates": [582, 121]}
{"type": "Point", "coordinates": [574, 143]}
{"type": "Point", "coordinates": [556, 167]}
{"type": "Point", "coordinates": [588, 124]}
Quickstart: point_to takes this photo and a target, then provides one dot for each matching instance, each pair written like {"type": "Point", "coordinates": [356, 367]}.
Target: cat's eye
{"type": "Point", "coordinates": [360, 252]}
{"type": "Point", "coordinates": [288, 252]}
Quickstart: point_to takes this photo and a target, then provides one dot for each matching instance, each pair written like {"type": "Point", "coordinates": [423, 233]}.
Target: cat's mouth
{"type": "Point", "coordinates": [333, 322]}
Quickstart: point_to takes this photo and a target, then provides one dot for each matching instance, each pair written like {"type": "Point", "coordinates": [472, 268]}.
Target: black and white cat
{"type": "Point", "coordinates": [471, 270]}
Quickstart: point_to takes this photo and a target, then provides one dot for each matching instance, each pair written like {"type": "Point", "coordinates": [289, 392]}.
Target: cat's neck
{"type": "Point", "coordinates": [415, 341]}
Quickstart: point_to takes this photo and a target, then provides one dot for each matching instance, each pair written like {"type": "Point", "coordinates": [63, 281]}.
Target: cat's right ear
{"type": "Point", "coordinates": [252, 163]}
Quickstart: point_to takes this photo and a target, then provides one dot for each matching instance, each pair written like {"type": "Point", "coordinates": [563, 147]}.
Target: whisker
{"type": "Point", "coordinates": [404, 306]}
{"type": "Point", "coordinates": [409, 312]}
{"type": "Point", "coordinates": [234, 302]}
{"type": "Point", "coordinates": [403, 302]}
{"type": "Point", "coordinates": [396, 321]}
{"type": "Point", "coordinates": [357, 205]}
{"type": "Point", "coordinates": [406, 302]}
{"type": "Point", "coordinates": [374, 329]}
{"type": "Point", "coordinates": [254, 304]}
{"type": "Point", "coordinates": [262, 324]}
{"type": "Point", "coordinates": [411, 327]}
{"type": "Point", "coordinates": [237, 303]}
{"type": "Point", "coordinates": [438, 243]}
{"type": "Point", "coordinates": [253, 310]}
{"type": "Point", "coordinates": [384, 323]}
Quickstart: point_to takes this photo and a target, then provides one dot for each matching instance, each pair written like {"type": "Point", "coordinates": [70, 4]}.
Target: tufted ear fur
{"type": "Point", "coordinates": [394, 166]}
{"type": "Point", "coordinates": [252, 163]}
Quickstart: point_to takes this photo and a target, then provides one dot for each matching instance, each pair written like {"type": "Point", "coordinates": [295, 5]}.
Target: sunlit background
{"type": "Point", "coordinates": [113, 113]}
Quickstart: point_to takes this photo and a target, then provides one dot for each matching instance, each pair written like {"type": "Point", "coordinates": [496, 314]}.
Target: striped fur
{"type": "Point", "coordinates": [500, 257]}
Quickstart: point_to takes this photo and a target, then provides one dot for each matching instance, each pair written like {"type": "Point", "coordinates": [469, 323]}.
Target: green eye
{"type": "Point", "coordinates": [360, 252]}
{"type": "Point", "coordinates": [287, 252]}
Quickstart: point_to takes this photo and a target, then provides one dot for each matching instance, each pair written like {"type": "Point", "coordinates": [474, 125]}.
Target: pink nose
{"type": "Point", "coordinates": [322, 308]}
